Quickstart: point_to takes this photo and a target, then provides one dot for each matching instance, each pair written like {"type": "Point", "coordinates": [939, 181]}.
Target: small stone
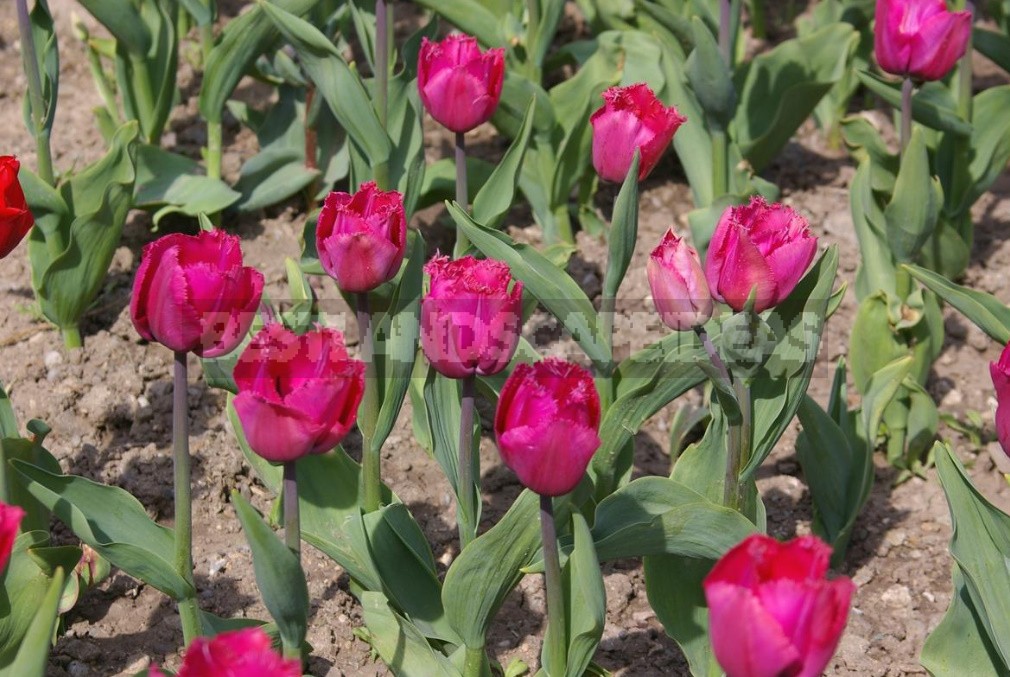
{"type": "Point", "coordinates": [78, 669]}
{"type": "Point", "coordinates": [897, 597]}
{"type": "Point", "coordinates": [863, 576]}
{"type": "Point", "coordinates": [643, 617]}
{"type": "Point", "coordinates": [895, 538]}
{"type": "Point", "coordinates": [52, 358]}
{"type": "Point", "coordinates": [952, 398]}
{"type": "Point", "coordinates": [930, 597]}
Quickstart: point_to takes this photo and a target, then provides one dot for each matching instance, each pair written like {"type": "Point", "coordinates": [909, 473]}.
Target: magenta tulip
{"type": "Point", "coordinates": [1000, 372]}
{"type": "Point", "coordinates": [192, 293]}
{"type": "Point", "coordinates": [471, 316]}
{"type": "Point", "coordinates": [547, 424]}
{"type": "Point", "coordinates": [679, 288]}
{"type": "Point", "coordinates": [459, 85]}
{"type": "Point", "coordinates": [10, 522]}
{"type": "Point", "coordinates": [15, 217]}
{"type": "Point", "coordinates": [919, 38]}
{"type": "Point", "coordinates": [631, 117]}
{"type": "Point", "coordinates": [297, 395]}
{"type": "Point", "coordinates": [361, 238]}
{"type": "Point", "coordinates": [772, 611]}
{"type": "Point", "coordinates": [238, 653]}
{"type": "Point", "coordinates": [764, 246]}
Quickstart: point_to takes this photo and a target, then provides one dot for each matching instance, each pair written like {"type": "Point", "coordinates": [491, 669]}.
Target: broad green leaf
{"type": "Point", "coordinates": [586, 600]}
{"type": "Point", "coordinates": [400, 644]}
{"type": "Point", "coordinates": [8, 421]}
{"type": "Point", "coordinates": [985, 310]}
{"type": "Point", "coordinates": [273, 176]}
{"type": "Point", "coordinates": [165, 178]}
{"type": "Point", "coordinates": [623, 234]}
{"type": "Point", "coordinates": [925, 109]}
{"type": "Point", "coordinates": [124, 22]}
{"type": "Point", "coordinates": [709, 77]}
{"type": "Point", "coordinates": [990, 141]}
{"type": "Point", "coordinates": [495, 197]}
{"type": "Point", "coordinates": [472, 18]}
{"type": "Point", "coordinates": [995, 46]}
{"type": "Point", "coordinates": [33, 654]}
{"type": "Point", "coordinates": [915, 204]}
{"type": "Point", "coordinates": [37, 515]}
{"type": "Point", "coordinates": [440, 180]}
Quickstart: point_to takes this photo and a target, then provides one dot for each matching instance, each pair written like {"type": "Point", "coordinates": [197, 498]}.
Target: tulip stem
{"type": "Point", "coordinates": [465, 491]}
{"type": "Point", "coordinates": [906, 113]}
{"type": "Point", "coordinates": [71, 337]}
{"type": "Point", "coordinates": [215, 146]}
{"type": "Point", "coordinates": [188, 611]}
{"type": "Point", "coordinates": [462, 193]}
{"type": "Point", "coordinates": [473, 663]}
{"type": "Point", "coordinates": [292, 527]}
{"type": "Point", "coordinates": [720, 162]}
{"type": "Point", "coordinates": [371, 472]}
{"type": "Point", "coordinates": [382, 61]}
{"type": "Point", "coordinates": [558, 653]}
{"type": "Point", "coordinates": [36, 102]}
{"type": "Point", "coordinates": [739, 448]}
{"type": "Point", "coordinates": [713, 355]}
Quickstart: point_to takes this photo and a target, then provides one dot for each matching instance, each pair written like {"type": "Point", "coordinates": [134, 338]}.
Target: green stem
{"type": "Point", "coordinates": [462, 193]}
{"type": "Point", "coordinates": [71, 337]}
{"type": "Point", "coordinates": [206, 42]}
{"type": "Point", "coordinates": [720, 163]}
{"type": "Point", "coordinates": [473, 663]}
{"type": "Point", "coordinates": [145, 97]}
{"type": "Point", "coordinates": [188, 611]}
{"type": "Point", "coordinates": [292, 528]}
{"type": "Point", "coordinates": [381, 61]}
{"type": "Point", "coordinates": [371, 471]}
{"type": "Point", "coordinates": [738, 449]}
{"type": "Point", "coordinates": [35, 98]}
{"type": "Point", "coordinates": [608, 306]}
{"type": "Point", "coordinates": [214, 148]}
{"type": "Point", "coordinates": [532, 28]}
{"type": "Point", "coordinates": [757, 19]}
{"type": "Point", "coordinates": [103, 85]}
{"type": "Point", "coordinates": [906, 113]}
{"type": "Point", "coordinates": [555, 592]}
{"type": "Point", "coordinates": [467, 491]}
{"type": "Point", "coordinates": [713, 355]}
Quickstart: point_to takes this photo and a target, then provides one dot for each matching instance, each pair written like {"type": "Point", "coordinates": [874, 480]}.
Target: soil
{"type": "Point", "coordinates": [109, 406]}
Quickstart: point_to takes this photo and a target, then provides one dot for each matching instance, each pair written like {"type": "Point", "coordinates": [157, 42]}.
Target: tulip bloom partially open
{"type": "Point", "coordinates": [547, 424]}
{"type": "Point", "coordinates": [679, 288]}
{"type": "Point", "coordinates": [238, 653]}
{"type": "Point", "coordinates": [1000, 372]}
{"type": "Point", "coordinates": [771, 609]}
{"type": "Point", "coordinates": [297, 395]}
{"type": "Point", "coordinates": [459, 85]}
{"type": "Point", "coordinates": [361, 238]}
{"type": "Point", "coordinates": [764, 246]}
{"type": "Point", "coordinates": [15, 218]}
{"type": "Point", "coordinates": [631, 117]}
{"type": "Point", "coordinates": [919, 38]}
{"type": "Point", "coordinates": [192, 293]}
{"type": "Point", "coordinates": [10, 521]}
{"type": "Point", "coordinates": [471, 316]}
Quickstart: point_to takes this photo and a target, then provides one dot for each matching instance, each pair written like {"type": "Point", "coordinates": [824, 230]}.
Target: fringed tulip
{"type": "Point", "coordinates": [297, 395]}
{"type": "Point", "coordinates": [471, 316]}
{"type": "Point", "coordinates": [772, 611]}
{"type": "Point", "coordinates": [1000, 372]}
{"type": "Point", "coordinates": [678, 284]}
{"type": "Point", "coordinates": [631, 118]}
{"type": "Point", "coordinates": [459, 85]}
{"type": "Point", "coordinates": [547, 424]}
{"type": "Point", "coordinates": [192, 293]}
{"type": "Point", "coordinates": [15, 218]}
{"type": "Point", "coordinates": [919, 38]}
{"type": "Point", "coordinates": [361, 238]}
{"type": "Point", "coordinates": [238, 653]}
{"type": "Point", "coordinates": [10, 521]}
{"type": "Point", "coordinates": [764, 246]}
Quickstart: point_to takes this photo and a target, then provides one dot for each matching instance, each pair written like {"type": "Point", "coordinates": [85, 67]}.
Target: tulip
{"type": "Point", "coordinates": [297, 395]}
{"type": "Point", "coordinates": [238, 653]}
{"type": "Point", "coordinates": [1000, 372]}
{"type": "Point", "coordinates": [459, 85]}
{"type": "Point", "coordinates": [547, 424]}
{"type": "Point", "coordinates": [772, 611]}
{"type": "Point", "coordinates": [15, 218]}
{"type": "Point", "coordinates": [919, 38]}
{"type": "Point", "coordinates": [192, 293]}
{"type": "Point", "coordinates": [760, 245]}
{"type": "Point", "coordinates": [10, 522]}
{"type": "Point", "coordinates": [470, 317]}
{"type": "Point", "coordinates": [631, 118]}
{"type": "Point", "coordinates": [678, 284]}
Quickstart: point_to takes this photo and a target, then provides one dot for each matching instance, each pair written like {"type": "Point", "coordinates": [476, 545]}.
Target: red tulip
{"type": "Point", "coordinates": [1000, 372]}
{"type": "Point", "coordinates": [470, 318]}
{"type": "Point", "coordinates": [547, 424]}
{"type": "Point", "coordinates": [297, 395]}
{"type": "Point", "coordinates": [459, 85]}
{"type": "Point", "coordinates": [361, 238]}
{"type": "Point", "coordinates": [919, 38]}
{"type": "Point", "coordinates": [192, 293]}
{"type": "Point", "coordinates": [15, 218]}
{"type": "Point", "coordinates": [238, 653]}
{"type": "Point", "coordinates": [678, 284]}
{"type": "Point", "coordinates": [767, 246]}
{"type": "Point", "coordinates": [772, 612]}
{"type": "Point", "coordinates": [10, 522]}
{"type": "Point", "coordinates": [631, 117]}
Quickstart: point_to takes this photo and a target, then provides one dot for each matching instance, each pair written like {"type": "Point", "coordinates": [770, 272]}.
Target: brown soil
{"type": "Point", "coordinates": [109, 407]}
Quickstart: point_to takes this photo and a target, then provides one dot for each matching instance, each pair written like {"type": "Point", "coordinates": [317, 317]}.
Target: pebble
{"type": "Point", "coordinates": [863, 576]}
{"type": "Point", "coordinates": [897, 597]}
{"type": "Point", "coordinates": [52, 358]}
{"type": "Point", "coordinates": [78, 669]}
{"type": "Point", "coordinates": [951, 399]}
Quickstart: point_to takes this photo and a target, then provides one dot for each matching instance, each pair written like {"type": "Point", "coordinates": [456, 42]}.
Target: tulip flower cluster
{"type": "Point", "coordinates": [921, 39]}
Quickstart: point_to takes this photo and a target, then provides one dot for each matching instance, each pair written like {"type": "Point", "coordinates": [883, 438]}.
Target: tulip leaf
{"type": "Point", "coordinates": [402, 646]}
{"type": "Point", "coordinates": [23, 585]}
{"type": "Point", "coordinates": [586, 600]}
{"type": "Point", "coordinates": [915, 205]}
{"type": "Point", "coordinates": [495, 197]}
{"type": "Point", "coordinates": [990, 141]}
{"type": "Point", "coordinates": [279, 574]}
{"type": "Point", "coordinates": [8, 420]}
{"type": "Point", "coordinates": [876, 271]}
{"type": "Point", "coordinates": [37, 515]}
{"type": "Point", "coordinates": [124, 23]}
{"type": "Point", "coordinates": [925, 109]}
{"type": "Point", "coordinates": [623, 232]}
{"type": "Point", "coordinates": [709, 77]}
{"type": "Point", "coordinates": [165, 178]}
{"type": "Point", "coordinates": [985, 310]}
{"type": "Point", "coordinates": [33, 653]}
{"type": "Point", "coordinates": [272, 176]}
{"type": "Point", "coordinates": [472, 18]}
{"type": "Point", "coordinates": [555, 289]}
{"type": "Point", "coordinates": [993, 45]}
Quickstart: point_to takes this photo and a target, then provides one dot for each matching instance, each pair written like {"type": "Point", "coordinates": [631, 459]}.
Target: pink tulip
{"type": "Point", "coordinates": [1000, 372]}
{"type": "Point", "coordinates": [15, 217]}
{"type": "Point", "coordinates": [471, 316]}
{"type": "Point", "coordinates": [772, 611]}
{"type": "Point", "coordinates": [238, 653]}
{"type": "Point", "coordinates": [767, 246]}
{"type": "Point", "coordinates": [459, 85]}
{"type": "Point", "coordinates": [361, 238]}
{"type": "Point", "coordinates": [919, 38]}
{"type": "Point", "coordinates": [192, 293]}
{"type": "Point", "coordinates": [10, 522]}
{"type": "Point", "coordinates": [297, 395]}
{"type": "Point", "coordinates": [547, 424]}
{"type": "Point", "coordinates": [678, 284]}
{"type": "Point", "coordinates": [631, 117]}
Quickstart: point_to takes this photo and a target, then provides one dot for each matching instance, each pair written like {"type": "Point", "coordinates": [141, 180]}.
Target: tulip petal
{"type": "Point", "coordinates": [549, 459]}
{"type": "Point", "coordinates": [940, 41]}
{"type": "Point", "coordinates": [171, 318]}
{"type": "Point", "coordinates": [275, 431]}
{"type": "Point", "coordinates": [746, 640]}
{"type": "Point", "coordinates": [744, 269]}
{"type": "Point", "coordinates": [788, 264]}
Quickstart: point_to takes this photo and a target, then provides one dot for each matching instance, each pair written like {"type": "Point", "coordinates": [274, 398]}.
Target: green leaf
{"type": "Point", "coordinates": [33, 654]}
{"type": "Point", "coordinates": [985, 310]}
{"type": "Point", "coordinates": [37, 515]}
{"type": "Point", "coordinates": [586, 600]}
{"type": "Point", "coordinates": [112, 522]}
{"type": "Point", "coordinates": [8, 421]}
{"type": "Point", "coordinates": [925, 109]}
{"type": "Point", "coordinates": [995, 46]}
{"type": "Point", "coordinates": [279, 574]}
{"type": "Point", "coordinates": [472, 18]}
{"type": "Point", "coordinates": [624, 231]}
{"type": "Point", "coordinates": [400, 644]}
{"type": "Point", "coordinates": [915, 205]}
{"type": "Point", "coordinates": [495, 197]}
{"type": "Point", "coordinates": [990, 141]}
{"type": "Point", "coordinates": [124, 22]}
{"type": "Point", "coordinates": [165, 178]}
{"type": "Point", "coordinates": [709, 77]}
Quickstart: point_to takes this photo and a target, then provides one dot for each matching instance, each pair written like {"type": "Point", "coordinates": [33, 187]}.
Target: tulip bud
{"type": "Point", "coordinates": [631, 118]}
{"type": "Point", "coordinates": [361, 238]}
{"type": "Point", "coordinates": [919, 38]}
{"type": "Point", "coordinates": [759, 245]}
{"type": "Point", "coordinates": [10, 521]}
{"type": "Point", "coordinates": [459, 85]}
{"type": "Point", "coordinates": [1000, 372]}
{"type": "Point", "coordinates": [237, 652]}
{"type": "Point", "coordinates": [771, 609]}
{"type": "Point", "coordinates": [679, 288]}
{"type": "Point", "coordinates": [470, 318]}
{"type": "Point", "coordinates": [192, 293]}
{"type": "Point", "coordinates": [547, 424]}
{"type": "Point", "coordinates": [15, 218]}
{"type": "Point", "coordinates": [297, 395]}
